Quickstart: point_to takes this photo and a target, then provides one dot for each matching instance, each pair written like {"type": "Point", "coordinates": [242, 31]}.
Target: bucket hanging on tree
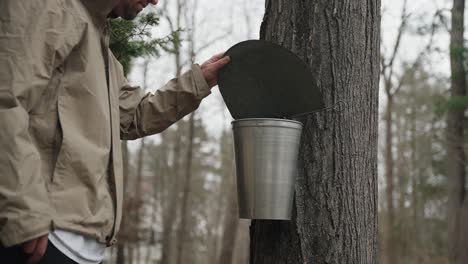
{"type": "Point", "coordinates": [266, 152]}
{"type": "Point", "coordinates": [263, 85]}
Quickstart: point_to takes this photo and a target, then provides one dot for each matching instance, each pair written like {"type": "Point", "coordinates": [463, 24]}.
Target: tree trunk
{"type": "Point", "coordinates": [241, 245]}
{"type": "Point", "coordinates": [123, 230]}
{"type": "Point", "coordinates": [139, 181]}
{"type": "Point", "coordinates": [120, 253]}
{"type": "Point", "coordinates": [415, 246]}
{"type": "Point", "coordinates": [184, 214]}
{"type": "Point", "coordinates": [335, 214]}
{"type": "Point", "coordinates": [171, 208]}
{"type": "Point", "coordinates": [217, 217]}
{"type": "Point", "coordinates": [152, 241]}
{"type": "Point", "coordinates": [389, 251]}
{"type": "Point", "coordinates": [172, 202]}
{"type": "Point", "coordinates": [139, 197]}
{"type": "Point", "coordinates": [231, 223]}
{"type": "Point", "coordinates": [456, 160]}
{"type": "Point", "coordinates": [227, 239]}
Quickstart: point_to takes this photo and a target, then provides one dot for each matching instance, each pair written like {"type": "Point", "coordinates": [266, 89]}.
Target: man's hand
{"type": "Point", "coordinates": [211, 67]}
{"type": "Point", "coordinates": [35, 248]}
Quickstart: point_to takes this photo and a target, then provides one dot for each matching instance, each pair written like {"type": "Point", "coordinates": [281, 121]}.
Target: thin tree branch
{"type": "Point", "coordinates": [420, 56]}
{"type": "Point", "coordinates": [401, 30]}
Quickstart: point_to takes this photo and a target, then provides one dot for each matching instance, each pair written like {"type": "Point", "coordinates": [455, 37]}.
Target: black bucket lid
{"type": "Point", "coordinates": [265, 80]}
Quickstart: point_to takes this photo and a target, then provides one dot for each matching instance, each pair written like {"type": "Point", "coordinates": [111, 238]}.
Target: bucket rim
{"type": "Point", "coordinates": [265, 119]}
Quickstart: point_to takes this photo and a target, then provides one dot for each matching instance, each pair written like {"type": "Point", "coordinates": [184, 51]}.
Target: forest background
{"type": "Point", "coordinates": [180, 192]}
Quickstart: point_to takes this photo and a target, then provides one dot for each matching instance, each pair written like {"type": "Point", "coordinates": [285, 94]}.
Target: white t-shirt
{"type": "Point", "coordinates": [79, 248]}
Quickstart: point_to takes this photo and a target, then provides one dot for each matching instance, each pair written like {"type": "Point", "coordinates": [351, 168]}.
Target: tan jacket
{"type": "Point", "coordinates": [64, 106]}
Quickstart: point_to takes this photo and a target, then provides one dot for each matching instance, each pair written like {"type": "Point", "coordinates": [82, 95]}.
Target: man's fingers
{"type": "Point", "coordinates": [39, 251]}
{"type": "Point", "coordinates": [220, 63]}
{"type": "Point", "coordinates": [28, 247]}
{"type": "Point", "coordinates": [36, 248]}
{"type": "Point", "coordinates": [42, 245]}
{"type": "Point", "coordinates": [217, 57]}
{"type": "Point", "coordinates": [211, 68]}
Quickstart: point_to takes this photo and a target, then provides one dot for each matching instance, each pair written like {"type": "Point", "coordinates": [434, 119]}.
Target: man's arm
{"type": "Point", "coordinates": [35, 37]}
{"type": "Point", "coordinates": [146, 114]}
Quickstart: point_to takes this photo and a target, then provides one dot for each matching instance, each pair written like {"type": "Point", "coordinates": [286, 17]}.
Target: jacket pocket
{"type": "Point", "coordinates": [44, 126]}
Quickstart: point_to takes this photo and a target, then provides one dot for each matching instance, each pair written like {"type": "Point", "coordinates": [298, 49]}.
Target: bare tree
{"type": "Point", "coordinates": [181, 233]}
{"type": "Point", "coordinates": [139, 173]}
{"type": "Point", "coordinates": [458, 183]}
{"type": "Point", "coordinates": [335, 214]}
{"type": "Point", "coordinates": [392, 84]}
{"type": "Point", "coordinates": [391, 90]}
{"type": "Point", "coordinates": [175, 24]}
{"type": "Point", "coordinates": [189, 15]}
{"type": "Point", "coordinates": [124, 230]}
{"type": "Point", "coordinates": [184, 214]}
{"type": "Point", "coordinates": [171, 204]}
{"type": "Point", "coordinates": [231, 221]}
{"type": "Point", "coordinates": [159, 164]}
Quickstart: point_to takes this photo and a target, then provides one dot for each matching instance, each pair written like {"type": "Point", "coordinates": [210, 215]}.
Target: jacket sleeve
{"type": "Point", "coordinates": [146, 114]}
{"type": "Point", "coordinates": [32, 43]}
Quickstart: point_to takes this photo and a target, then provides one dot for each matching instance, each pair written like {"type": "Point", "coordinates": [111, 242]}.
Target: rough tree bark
{"type": "Point", "coordinates": [335, 213]}
{"type": "Point", "coordinates": [456, 160]}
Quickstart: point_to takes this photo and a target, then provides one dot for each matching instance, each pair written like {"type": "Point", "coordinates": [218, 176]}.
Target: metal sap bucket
{"type": "Point", "coordinates": [266, 152]}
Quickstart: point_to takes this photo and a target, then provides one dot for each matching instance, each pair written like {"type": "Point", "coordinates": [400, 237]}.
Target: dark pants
{"type": "Point", "coordinates": [15, 255]}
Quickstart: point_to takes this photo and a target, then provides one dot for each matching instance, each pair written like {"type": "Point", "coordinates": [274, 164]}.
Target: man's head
{"type": "Point", "coordinates": [129, 9]}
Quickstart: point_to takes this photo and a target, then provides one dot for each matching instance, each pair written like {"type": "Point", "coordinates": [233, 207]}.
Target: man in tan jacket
{"type": "Point", "coordinates": [64, 106]}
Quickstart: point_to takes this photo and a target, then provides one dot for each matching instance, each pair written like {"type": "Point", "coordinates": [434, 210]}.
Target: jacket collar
{"type": "Point", "coordinates": [99, 9]}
